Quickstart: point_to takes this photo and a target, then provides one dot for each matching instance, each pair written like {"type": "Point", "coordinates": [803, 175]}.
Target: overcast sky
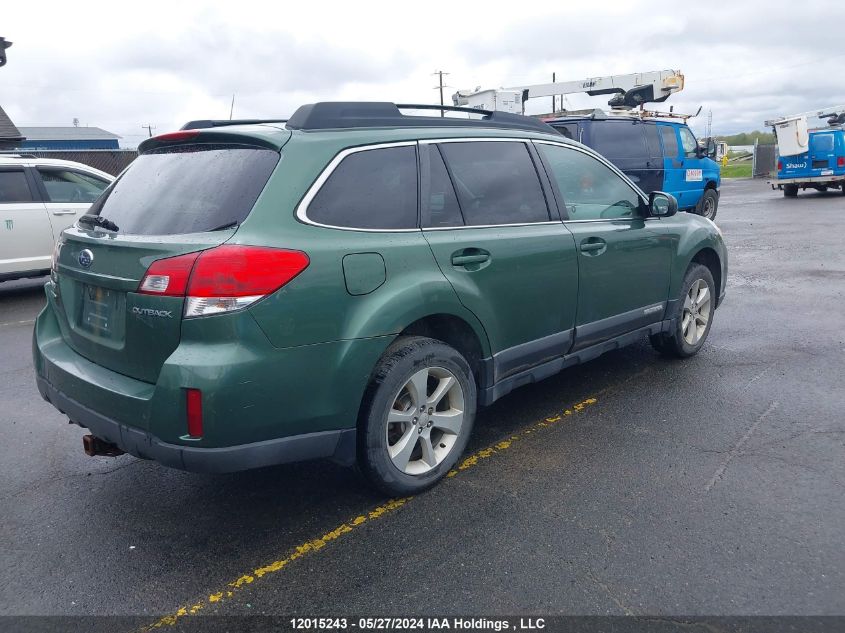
{"type": "Point", "coordinates": [121, 65]}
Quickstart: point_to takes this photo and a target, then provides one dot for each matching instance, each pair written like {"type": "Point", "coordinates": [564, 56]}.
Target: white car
{"type": "Point", "coordinates": [39, 198]}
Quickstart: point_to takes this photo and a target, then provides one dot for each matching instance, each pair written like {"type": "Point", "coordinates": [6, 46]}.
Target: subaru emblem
{"type": "Point", "coordinates": [86, 257]}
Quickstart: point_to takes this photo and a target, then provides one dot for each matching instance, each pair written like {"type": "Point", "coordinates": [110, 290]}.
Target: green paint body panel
{"type": "Point", "coordinates": [633, 271]}
{"type": "Point", "coordinates": [299, 360]}
{"type": "Point", "coordinates": [528, 287]}
{"type": "Point", "coordinates": [363, 272]}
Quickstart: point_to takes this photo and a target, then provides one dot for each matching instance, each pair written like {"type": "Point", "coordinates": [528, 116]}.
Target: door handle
{"type": "Point", "coordinates": [65, 212]}
{"type": "Point", "coordinates": [591, 247]}
{"type": "Point", "coordinates": [463, 260]}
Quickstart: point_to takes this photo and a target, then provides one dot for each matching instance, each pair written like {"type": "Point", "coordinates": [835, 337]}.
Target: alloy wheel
{"type": "Point", "coordinates": [696, 312]}
{"type": "Point", "coordinates": [425, 420]}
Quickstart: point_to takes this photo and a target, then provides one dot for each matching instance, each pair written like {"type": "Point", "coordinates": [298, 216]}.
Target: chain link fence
{"type": "Point", "coordinates": [107, 160]}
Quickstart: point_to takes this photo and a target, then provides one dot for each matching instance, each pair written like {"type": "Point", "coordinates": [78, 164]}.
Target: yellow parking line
{"type": "Point", "coordinates": [309, 547]}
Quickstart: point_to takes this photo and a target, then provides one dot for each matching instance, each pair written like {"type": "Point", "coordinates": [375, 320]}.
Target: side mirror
{"type": "Point", "coordinates": [662, 205]}
{"type": "Point", "coordinates": [711, 148]}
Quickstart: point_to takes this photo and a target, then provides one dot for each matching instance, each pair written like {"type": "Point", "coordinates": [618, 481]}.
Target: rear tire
{"type": "Point", "coordinates": [693, 315]}
{"type": "Point", "coordinates": [417, 415]}
{"type": "Point", "coordinates": [709, 204]}
{"type": "Point", "coordinates": [790, 191]}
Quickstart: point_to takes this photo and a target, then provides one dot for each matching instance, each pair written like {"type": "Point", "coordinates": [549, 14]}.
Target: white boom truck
{"type": "Point", "coordinates": [629, 91]}
{"type": "Point", "coordinates": [811, 155]}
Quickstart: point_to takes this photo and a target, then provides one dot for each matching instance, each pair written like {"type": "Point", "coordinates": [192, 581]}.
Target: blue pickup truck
{"type": "Point", "coordinates": [821, 167]}
{"type": "Point", "coordinates": [657, 154]}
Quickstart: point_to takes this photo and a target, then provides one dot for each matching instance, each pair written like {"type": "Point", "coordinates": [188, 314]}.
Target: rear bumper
{"type": "Point", "coordinates": [818, 180]}
{"type": "Point", "coordinates": [337, 445]}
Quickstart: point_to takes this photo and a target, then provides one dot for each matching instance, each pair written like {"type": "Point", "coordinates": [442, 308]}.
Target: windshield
{"type": "Point", "coordinates": [187, 189]}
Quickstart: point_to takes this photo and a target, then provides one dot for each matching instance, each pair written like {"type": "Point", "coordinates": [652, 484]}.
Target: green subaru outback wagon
{"type": "Point", "coordinates": [353, 283]}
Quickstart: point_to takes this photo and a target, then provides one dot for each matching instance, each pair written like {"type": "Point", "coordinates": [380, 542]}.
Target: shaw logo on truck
{"type": "Point", "coordinates": [796, 165]}
{"type": "Point", "coordinates": [150, 312]}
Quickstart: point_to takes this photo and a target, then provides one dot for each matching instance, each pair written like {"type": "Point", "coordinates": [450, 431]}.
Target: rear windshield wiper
{"type": "Point", "coordinates": [97, 220]}
{"type": "Point", "coordinates": [229, 225]}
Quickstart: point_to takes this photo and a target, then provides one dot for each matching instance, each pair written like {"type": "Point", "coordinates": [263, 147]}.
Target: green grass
{"type": "Point", "coordinates": [742, 170]}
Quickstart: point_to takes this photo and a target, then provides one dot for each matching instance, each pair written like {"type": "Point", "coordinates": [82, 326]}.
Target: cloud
{"type": "Point", "coordinates": [742, 62]}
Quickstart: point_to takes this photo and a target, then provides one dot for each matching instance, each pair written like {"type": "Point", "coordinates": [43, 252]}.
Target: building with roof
{"type": "Point", "coordinates": [67, 138]}
{"type": "Point", "coordinates": [10, 135]}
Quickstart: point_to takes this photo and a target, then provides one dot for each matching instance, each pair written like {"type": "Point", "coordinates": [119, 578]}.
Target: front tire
{"type": "Point", "coordinates": [709, 204]}
{"type": "Point", "coordinates": [417, 415]}
{"type": "Point", "coordinates": [693, 315]}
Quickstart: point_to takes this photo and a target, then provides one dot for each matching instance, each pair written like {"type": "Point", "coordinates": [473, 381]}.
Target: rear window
{"type": "Point", "coordinates": [13, 187]}
{"type": "Point", "coordinates": [822, 142]}
{"type": "Point", "coordinates": [569, 130]}
{"type": "Point", "coordinates": [652, 138]}
{"type": "Point", "coordinates": [618, 139]}
{"type": "Point", "coordinates": [370, 189]}
{"type": "Point", "coordinates": [187, 189]}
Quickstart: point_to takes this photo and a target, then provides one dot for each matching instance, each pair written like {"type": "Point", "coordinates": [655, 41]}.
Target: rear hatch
{"type": "Point", "coordinates": [185, 193]}
{"type": "Point", "coordinates": [822, 155]}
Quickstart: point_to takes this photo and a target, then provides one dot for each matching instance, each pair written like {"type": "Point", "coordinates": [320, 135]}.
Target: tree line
{"type": "Point", "coordinates": [748, 138]}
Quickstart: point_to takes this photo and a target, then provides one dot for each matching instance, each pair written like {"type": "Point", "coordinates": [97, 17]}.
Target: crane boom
{"type": "Point", "coordinates": [629, 91]}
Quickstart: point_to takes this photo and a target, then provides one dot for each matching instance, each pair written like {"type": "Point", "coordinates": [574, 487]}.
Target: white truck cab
{"type": "Point", "coordinates": [39, 198]}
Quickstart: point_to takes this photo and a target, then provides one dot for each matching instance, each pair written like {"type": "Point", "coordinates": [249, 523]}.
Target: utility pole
{"type": "Point", "coordinates": [554, 98]}
{"type": "Point", "coordinates": [149, 128]}
{"type": "Point", "coordinates": [232, 107]}
{"type": "Point", "coordinates": [440, 87]}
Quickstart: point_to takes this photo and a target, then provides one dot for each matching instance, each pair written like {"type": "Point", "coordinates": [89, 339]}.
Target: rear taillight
{"type": "Point", "coordinates": [169, 276]}
{"type": "Point", "coordinates": [224, 278]}
{"type": "Point", "coordinates": [780, 165]}
{"type": "Point", "coordinates": [840, 161]}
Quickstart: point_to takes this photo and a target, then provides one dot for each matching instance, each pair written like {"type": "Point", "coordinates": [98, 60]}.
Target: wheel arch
{"type": "Point", "coordinates": [710, 259]}
{"type": "Point", "coordinates": [459, 334]}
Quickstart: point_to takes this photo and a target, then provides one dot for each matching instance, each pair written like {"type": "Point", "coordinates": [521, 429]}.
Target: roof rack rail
{"type": "Point", "coordinates": [360, 114]}
{"type": "Point", "coordinates": [201, 124]}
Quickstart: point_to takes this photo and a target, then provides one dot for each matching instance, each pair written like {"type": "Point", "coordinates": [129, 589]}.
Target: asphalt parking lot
{"type": "Point", "coordinates": [712, 486]}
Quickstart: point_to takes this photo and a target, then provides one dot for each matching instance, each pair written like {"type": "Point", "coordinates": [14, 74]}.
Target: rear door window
{"type": "Point", "coordinates": [670, 141]}
{"type": "Point", "coordinates": [370, 189]}
{"type": "Point", "coordinates": [14, 187]}
{"type": "Point", "coordinates": [441, 205]}
{"type": "Point", "coordinates": [187, 189]}
{"type": "Point", "coordinates": [618, 139]}
{"type": "Point", "coordinates": [64, 185]}
{"type": "Point", "coordinates": [496, 182]}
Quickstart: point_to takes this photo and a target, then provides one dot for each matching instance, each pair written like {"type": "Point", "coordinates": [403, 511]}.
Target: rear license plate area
{"type": "Point", "coordinates": [99, 306]}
